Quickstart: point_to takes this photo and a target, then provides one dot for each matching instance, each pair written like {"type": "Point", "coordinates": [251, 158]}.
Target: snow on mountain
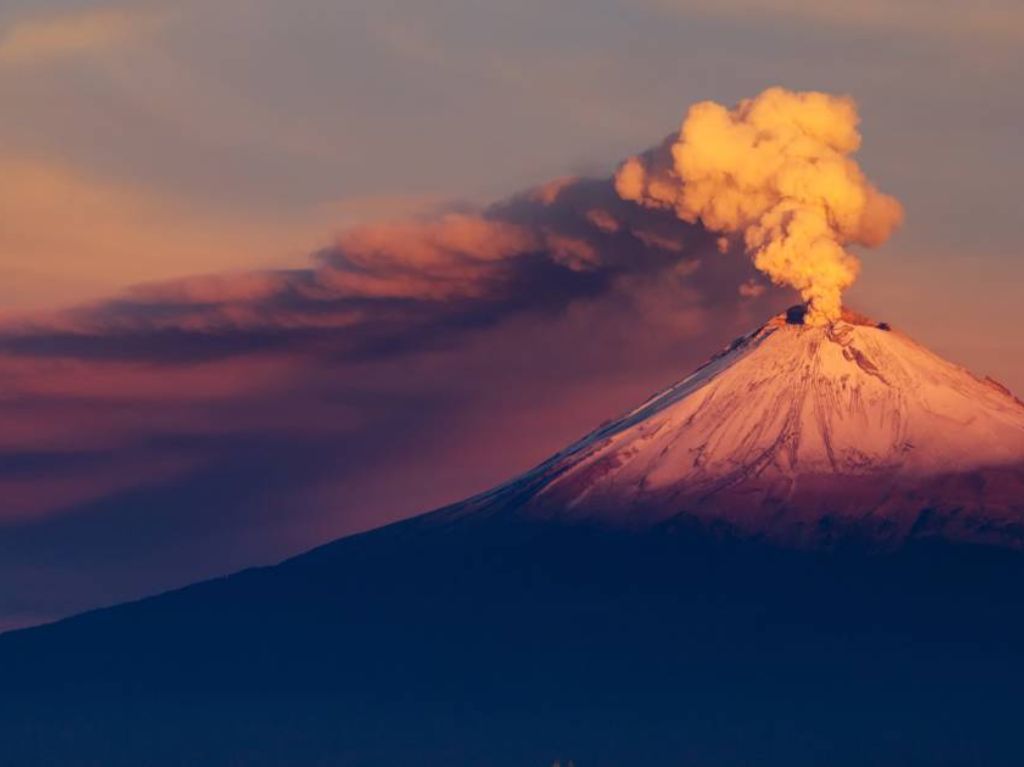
{"type": "Point", "coordinates": [801, 433]}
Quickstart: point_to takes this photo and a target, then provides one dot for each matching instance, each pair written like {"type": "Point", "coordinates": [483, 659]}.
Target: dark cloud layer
{"type": "Point", "coordinates": [194, 427]}
{"type": "Point", "coordinates": [385, 288]}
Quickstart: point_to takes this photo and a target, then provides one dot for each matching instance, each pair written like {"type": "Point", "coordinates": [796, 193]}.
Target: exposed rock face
{"type": "Point", "coordinates": [802, 434]}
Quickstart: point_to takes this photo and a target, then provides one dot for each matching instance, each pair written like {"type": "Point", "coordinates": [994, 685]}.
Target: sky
{"type": "Point", "coordinates": [271, 273]}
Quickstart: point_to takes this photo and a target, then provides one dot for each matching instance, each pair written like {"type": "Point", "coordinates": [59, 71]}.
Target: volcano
{"type": "Point", "coordinates": [805, 435]}
{"type": "Point", "coordinates": [805, 553]}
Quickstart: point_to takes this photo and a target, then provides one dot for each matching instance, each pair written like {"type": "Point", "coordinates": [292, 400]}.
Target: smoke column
{"type": "Point", "coordinates": [777, 171]}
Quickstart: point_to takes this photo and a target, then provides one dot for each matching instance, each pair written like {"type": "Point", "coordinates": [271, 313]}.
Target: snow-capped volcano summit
{"type": "Point", "coordinates": [799, 432]}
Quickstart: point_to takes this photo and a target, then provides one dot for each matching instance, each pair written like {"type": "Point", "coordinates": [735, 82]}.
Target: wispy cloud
{"type": "Point", "coordinates": [52, 36]}
{"type": "Point", "coordinates": [71, 234]}
{"type": "Point", "coordinates": [397, 285]}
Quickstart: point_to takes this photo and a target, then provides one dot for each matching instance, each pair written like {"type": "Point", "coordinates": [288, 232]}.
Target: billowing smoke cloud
{"type": "Point", "coordinates": [777, 171]}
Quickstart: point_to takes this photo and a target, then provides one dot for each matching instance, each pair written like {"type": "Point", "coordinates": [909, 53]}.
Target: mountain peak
{"type": "Point", "coordinates": [794, 431]}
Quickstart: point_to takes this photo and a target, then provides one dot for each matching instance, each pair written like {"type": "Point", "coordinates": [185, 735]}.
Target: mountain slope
{"type": "Point", "coordinates": [497, 643]}
{"type": "Point", "coordinates": [802, 433]}
{"type": "Point", "coordinates": [637, 599]}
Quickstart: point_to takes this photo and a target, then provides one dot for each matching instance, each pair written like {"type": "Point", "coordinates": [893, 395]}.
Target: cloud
{"type": "Point", "coordinates": [385, 287]}
{"type": "Point", "coordinates": [240, 416]}
{"type": "Point", "coordinates": [70, 235]}
{"type": "Point", "coordinates": [61, 35]}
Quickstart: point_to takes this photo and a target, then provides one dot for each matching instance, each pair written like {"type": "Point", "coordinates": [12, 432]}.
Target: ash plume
{"type": "Point", "coordinates": [777, 171]}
